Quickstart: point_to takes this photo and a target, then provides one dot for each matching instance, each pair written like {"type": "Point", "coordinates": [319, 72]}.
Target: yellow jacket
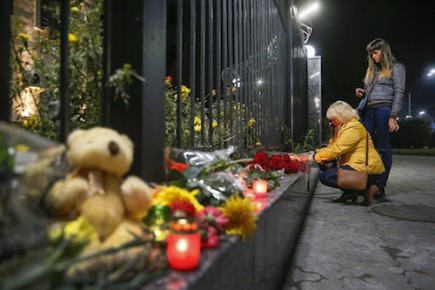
{"type": "Point", "coordinates": [350, 148]}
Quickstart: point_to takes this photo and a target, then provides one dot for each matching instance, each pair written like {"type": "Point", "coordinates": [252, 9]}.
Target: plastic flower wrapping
{"type": "Point", "coordinates": [213, 174]}
{"type": "Point", "coordinates": [213, 180]}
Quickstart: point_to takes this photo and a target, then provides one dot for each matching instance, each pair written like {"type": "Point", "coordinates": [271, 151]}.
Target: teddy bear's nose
{"type": "Point", "coordinates": [113, 148]}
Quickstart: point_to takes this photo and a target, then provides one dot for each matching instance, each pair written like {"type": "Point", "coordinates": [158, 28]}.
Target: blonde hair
{"type": "Point", "coordinates": [342, 112]}
{"type": "Point", "coordinates": [386, 63]}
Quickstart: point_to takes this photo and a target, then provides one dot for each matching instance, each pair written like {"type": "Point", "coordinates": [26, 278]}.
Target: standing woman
{"type": "Point", "coordinates": [384, 89]}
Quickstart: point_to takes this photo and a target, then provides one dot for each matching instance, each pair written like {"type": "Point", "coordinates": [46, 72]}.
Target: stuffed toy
{"type": "Point", "coordinates": [95, 192]}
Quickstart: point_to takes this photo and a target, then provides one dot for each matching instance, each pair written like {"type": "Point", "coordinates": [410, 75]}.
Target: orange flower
{"type": "Point", "coordinates": [179, 166]}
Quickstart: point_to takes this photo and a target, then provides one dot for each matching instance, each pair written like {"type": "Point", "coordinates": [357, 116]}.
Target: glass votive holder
{"type": "Point", "coordinates": [183, 245]}
{"type": "Point", "coordinates": [157, 220]}
{"type": "Point", "coordinates": [259, 187]}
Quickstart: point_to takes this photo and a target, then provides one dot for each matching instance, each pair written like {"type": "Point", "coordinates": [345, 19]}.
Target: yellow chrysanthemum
{"type": "Point", "coordinates": [77, 230]}
{"type": "Point", "coordinates": [241, 216]}
{"type": "Point", "coordinates": [80, 229]}
{"type": "Point", "coordinates": [166, 195]}
{"type": "Point", "coordinates": [72, 38]}
{"type": "Point", "coordinates": [23, 36]}
{"type": "Point", "coordinates": [197, 128]}
{"type": "Point", "coordinates": [258, 143]}
{"type": "Point", "coordinates": [75, 9]}
{"type": "Point", "coordinates": [31, 122]}
{"type": "Point", "coordinates": [251, 122]}
{"type": "Point", "coordinates": [214, 124]}
{"type": "Point", "coordinates": [197, 121]}
{"type": "Point", "coordinates": [185, 91]}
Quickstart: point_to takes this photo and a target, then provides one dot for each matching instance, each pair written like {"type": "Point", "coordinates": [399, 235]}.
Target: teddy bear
{"type": "Point", "coordinates": [97, 191]}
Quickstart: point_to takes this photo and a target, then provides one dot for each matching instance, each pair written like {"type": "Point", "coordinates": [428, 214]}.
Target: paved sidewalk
{"type": "Point", "coordinates": [389, 245]}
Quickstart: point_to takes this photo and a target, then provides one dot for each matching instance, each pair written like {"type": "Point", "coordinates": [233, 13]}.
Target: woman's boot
{"type": "Point", "coordinates": [369, 195]}
{"type": "Point", "coordinates": [346, 196]}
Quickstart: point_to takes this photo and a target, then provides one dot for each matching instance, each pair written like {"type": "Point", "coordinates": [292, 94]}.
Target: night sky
{"type": "Point", "coordinates": [343, 28]}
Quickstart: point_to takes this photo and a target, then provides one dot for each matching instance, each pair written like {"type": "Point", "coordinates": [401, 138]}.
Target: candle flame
{"type": "Point", "coordinates": [182, 245]}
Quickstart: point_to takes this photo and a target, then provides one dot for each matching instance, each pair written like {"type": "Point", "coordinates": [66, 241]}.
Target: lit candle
{"type": "Point", "coordinates": [259, 187]}
{"type": "Point", "coordinates": [183, 246]}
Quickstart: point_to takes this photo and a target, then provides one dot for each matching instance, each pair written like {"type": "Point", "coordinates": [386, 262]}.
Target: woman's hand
{"type": "Point", "coordinates": [394, 126]}
{"type": "Point", "coordinates": [359, 92]}
{"type": "Point", "coordinates": [303, 157]}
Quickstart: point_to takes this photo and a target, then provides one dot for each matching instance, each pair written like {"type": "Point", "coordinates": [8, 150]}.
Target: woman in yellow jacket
{"type": "Point", "coordinates": [348, 147]}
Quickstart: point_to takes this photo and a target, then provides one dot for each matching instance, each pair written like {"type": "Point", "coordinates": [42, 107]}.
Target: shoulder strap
{"type": "Point", "coordinates": [375, 80]}
{"type": "Point", "coordinates": [367, 150]}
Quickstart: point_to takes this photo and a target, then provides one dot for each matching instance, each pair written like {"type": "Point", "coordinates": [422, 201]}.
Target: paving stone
{"type": "Point", "coordinates": [389, 245]}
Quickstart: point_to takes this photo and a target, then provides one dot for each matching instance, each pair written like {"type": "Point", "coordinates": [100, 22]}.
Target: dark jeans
{"type": "Point", "coordinates": [329, 177]}
{"type": "Point", "coordinates": [376, 122]}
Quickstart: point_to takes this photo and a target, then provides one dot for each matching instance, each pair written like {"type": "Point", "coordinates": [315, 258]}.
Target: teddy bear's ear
{"type": "Point", "coordinates": [74, 135]}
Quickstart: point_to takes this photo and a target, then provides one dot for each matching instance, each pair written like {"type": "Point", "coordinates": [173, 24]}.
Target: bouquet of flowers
{"type": "Point", "coordinates": [280, 162]}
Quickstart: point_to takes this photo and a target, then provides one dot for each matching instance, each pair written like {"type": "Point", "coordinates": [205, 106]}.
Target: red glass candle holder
{"type": "Point", "coordinates": [259, 187]}
{"type": "Point", "coordinates": [183, 246]}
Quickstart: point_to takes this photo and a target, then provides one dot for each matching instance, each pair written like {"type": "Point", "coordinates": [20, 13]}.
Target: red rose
{"type": "Point", "coordinates": [275, 162]}
{"type": "Point", "coordinates": [285, 157]}
{"type": "Point", "coordinates": [292, 166]}
{"type": "Point", "coordinates": [260, 157]}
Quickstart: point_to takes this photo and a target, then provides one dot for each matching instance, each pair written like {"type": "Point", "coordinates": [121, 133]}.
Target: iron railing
{"type": "Point", "coordinates": [234, 56]}
{"type": "Point", "coordinates": [243, 61]}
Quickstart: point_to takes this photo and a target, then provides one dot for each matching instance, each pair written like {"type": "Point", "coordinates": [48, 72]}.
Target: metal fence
{"type": "Point", "coordinates": [242, 61]}
{"type": "Point", "coordinates": [238, 66]}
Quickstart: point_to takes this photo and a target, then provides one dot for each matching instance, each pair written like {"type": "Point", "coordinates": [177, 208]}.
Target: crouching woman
{"type": "Point", "coordinates": [348, 147]}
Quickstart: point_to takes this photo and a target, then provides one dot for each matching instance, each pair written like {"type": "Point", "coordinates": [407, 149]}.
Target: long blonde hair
{"type": "Point", "coordinates": [342, 112]}
{"type": "Point", "coordinates": [385, 65]}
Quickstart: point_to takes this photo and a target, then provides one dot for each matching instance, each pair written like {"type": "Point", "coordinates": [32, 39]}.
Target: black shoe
{"type": "Point", "coordinates": [346, 196]}
{"type": "Point", "coordinates": [380, 194]}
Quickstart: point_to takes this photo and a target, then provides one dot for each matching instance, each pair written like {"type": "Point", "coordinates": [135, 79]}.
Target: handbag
{"type": "Point", "coordinates": [352, 179]}
{"type": "Point", "coordinates": [362, 106]}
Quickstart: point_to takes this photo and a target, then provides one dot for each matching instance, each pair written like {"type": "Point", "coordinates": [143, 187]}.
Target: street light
{"type": "Point", "coordinates": [409, 115]}
{"type": "Point", "coordinates": [311, 52]}
{"type": "Point", "coordinates": [308, 10]}
{"type": "Point", "coordinates": [426, 117]}
{"type": "Point", "coordinates": [305, 28]}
